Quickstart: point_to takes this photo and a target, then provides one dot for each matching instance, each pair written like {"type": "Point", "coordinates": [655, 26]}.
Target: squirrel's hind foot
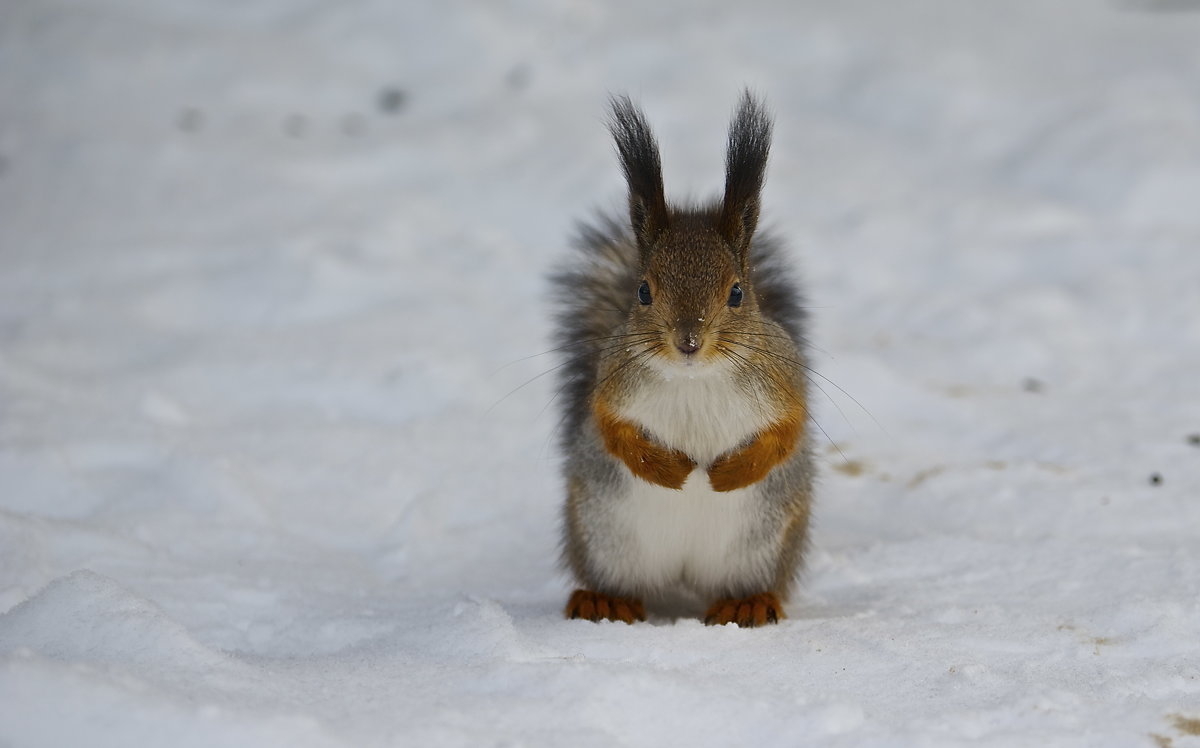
{"type": "Point", "coordinates": [756, 610]}
{"type": "Point", "coordinates": [596, 606]}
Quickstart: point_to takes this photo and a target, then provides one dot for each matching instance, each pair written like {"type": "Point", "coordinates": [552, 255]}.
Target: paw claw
{"type": "Point", "coordinates": [755, 610]}
{"type": "Point", "coordinates": [596, 606]}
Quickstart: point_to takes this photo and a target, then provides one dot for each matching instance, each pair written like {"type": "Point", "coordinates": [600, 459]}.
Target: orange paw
{"type": "Point", "coordinates": [756, 610]}
{"type": "Point", "coordinates": [645, 458]}
{"type": "Point", "coordinates": [596, 606]}
{"type": "Point", "coordinates": [669, 468]}
{"type": "Point", "coordinates": [751, 463]}
{"type": "Point", "coordinates": [736, 470]}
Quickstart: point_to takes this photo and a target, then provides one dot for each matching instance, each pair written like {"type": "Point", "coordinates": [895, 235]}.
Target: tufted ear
{"type": "Point", "coordinates": [745, 169]}
{"type": "Point", "coordinates": [643, 170]}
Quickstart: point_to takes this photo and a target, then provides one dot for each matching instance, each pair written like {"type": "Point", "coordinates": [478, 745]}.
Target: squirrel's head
{"type": "Point", "coordinates": [694, 287]}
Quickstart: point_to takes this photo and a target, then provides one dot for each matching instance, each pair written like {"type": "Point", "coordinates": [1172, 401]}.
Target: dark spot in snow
{"type": "Point", "coordinates": [1029, 384]}
{"type": "Point", "coordinates": [925, 475]}
{"type": "Point", "coordinates": [392, 100]}
{"type": "Point", "coordinates": [1193, 439]}
{"type": "Point", "coordinates": [1156, 479]}
{"type": "Point", "coordinates": [518, 78]}
{"type": "Point", "coordinates": [190, 119]}
{"type": "Point", "coordinates": [853, 468]}
{"type": "Point", "coordinates": [3, 165]}
{"type": "Point", "coordinates": [1186, 725]}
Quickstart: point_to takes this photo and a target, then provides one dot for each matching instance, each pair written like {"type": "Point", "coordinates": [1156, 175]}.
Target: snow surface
{"type": "Point", "coordinates": [276, 462]}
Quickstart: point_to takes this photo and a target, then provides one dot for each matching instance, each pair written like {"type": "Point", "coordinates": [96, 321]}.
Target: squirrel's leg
{"type": "Point", "coordinates": [749, 464]}
{"type": "Point", "coordinates": [596, 606]}
{"type": "Point", "coordinates": [755, 610]}
{"type": "Point", "coordinates": [647, 460]}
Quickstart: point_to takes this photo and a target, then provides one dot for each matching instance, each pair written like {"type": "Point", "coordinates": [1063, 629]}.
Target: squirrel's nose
{"type": "Point", "coordinates": [688, 343]}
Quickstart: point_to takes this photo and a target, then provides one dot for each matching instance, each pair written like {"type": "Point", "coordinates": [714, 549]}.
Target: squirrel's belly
{"type": "Point", "coordinates": [714, 543]}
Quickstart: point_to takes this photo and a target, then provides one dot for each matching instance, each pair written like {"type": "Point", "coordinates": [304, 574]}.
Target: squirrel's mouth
{"type": "Point", "coordinates": [694, 366]}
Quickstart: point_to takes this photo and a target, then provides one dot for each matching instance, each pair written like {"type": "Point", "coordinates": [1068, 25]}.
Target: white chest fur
{"type": "Point", "coordinates": [708, 541]}
{"type": "Point", "coordinates": [703, 415]}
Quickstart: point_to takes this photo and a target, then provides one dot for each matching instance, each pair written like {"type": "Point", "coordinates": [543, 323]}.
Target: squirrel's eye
{"type": "Point", "coordinates": [644, 293]}
{"type": "Point", "coordinates": [735, 295]}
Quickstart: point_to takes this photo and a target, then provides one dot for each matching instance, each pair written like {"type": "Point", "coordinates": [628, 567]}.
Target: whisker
{"type": "Point", "coordinates": [787, 336]}
{"type": "Point", "coordinates": [611, 352]}
{"type": "Point", "coordinates": [525, 384]}
{"type": "Point", "coordinates": [623, 344]}
{"type": "Point", "coordinates": [638, 357]}
{"type": "Point", "coordinates": [572, 344]}
{"type": "Point", "coordinates": [806, 376]}
{"type": "Point", "coordinates": [813, 371]}
{"type": "Point", "coordinates": [726, 352]}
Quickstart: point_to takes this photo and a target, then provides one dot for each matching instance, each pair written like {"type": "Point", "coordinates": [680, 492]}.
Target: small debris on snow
{"type": "Point", "coordinates": [392, 100]}
{"type": "Point", "coordinates": [191, 120]}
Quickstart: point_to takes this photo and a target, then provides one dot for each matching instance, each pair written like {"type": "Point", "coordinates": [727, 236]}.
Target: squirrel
{"type": "Point", "coordinates": [688, 461]}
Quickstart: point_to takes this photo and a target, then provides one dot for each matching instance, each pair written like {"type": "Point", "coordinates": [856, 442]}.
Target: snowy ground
{"type": "Point", "coordinates": [269, 273]}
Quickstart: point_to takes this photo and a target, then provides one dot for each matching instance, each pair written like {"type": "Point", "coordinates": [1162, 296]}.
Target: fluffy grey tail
{"type": "Point", "coordinates": [594, 293]}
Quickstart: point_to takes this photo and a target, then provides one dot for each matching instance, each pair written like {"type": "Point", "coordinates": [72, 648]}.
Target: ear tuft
{"type": "Point", "coordinates": [745, 170]}
{"type": "Point", "coordinates": [643, 169]}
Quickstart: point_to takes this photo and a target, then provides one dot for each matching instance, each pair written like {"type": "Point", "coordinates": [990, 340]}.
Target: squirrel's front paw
{"type": "Point", "coordinates": [752, 462]}
{"type": "Point", "coordinates": [737, 470]}
{"type": "Point", "coordinates": [648, 460]}
{"type": "Point", "coordinates": [669, 468]}
{"type": "Point", "coordinates": [660, 466]}
{"type": "Point", "coordinates": [596, 606]}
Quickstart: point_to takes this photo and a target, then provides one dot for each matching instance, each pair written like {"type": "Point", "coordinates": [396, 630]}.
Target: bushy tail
{"type": "Point", "coordinates": [593, 293]}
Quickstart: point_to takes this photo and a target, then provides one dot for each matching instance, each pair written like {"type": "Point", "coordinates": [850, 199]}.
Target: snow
{"type": "Point", "coordinates": [277, 466]}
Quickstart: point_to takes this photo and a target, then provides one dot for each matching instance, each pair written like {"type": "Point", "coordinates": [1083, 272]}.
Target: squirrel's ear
{"type": "Point", "coordinates": [643, 169]}
{"type": "Point", "coordinates": [745, 168]}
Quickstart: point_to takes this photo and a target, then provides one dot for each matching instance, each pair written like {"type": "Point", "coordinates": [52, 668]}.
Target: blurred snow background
{"type": "Point", "coordinates": [275, 469]}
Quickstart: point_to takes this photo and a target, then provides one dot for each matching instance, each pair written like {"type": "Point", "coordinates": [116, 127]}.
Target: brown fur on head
{"type": "Point", "coordinates": [694, 263]}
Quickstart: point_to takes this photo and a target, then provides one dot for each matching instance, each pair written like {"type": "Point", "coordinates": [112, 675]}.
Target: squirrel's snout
{"type": "Point", "coordinates": [688, 342]}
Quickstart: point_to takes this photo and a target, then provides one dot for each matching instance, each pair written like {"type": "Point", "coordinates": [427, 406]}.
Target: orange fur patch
{"type": "Point", "coordinates": [645, 459]}
{"type": "Point", "coordinates": [594, 606]}
{"type": "Point", "coordinates": [756, 610]}
{"type": "Point", "coordinates": [750, 464]}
